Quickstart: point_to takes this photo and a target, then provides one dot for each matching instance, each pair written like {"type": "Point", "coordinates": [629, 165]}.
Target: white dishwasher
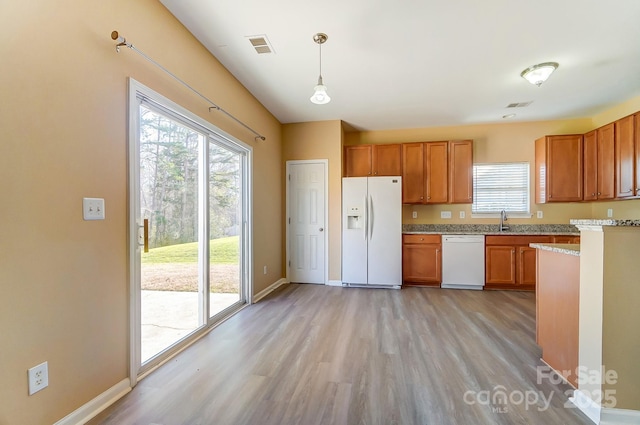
{"type": "Point", "coordinates": [463, 261]}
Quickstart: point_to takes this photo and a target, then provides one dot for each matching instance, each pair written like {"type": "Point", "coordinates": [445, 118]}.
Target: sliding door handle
{"type": "Point", "coordinates": [143, 239]}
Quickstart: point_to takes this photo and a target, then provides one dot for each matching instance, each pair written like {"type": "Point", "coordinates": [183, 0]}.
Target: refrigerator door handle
{"type": "Point", "coordinates": [371, 218]}
{"type": "Point", "coordinates": [366, 217]}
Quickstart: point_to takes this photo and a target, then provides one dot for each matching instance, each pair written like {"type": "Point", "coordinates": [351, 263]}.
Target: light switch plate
{"type": "Point", "coordinates": [462, 214]}
{"type": "Point", "coordinates": [414, 214]}
{"type": "Point", "coordinates": [610, 212]}
{"type": "Point", "coordinates": [93, 208]}
{"type": "Point", "coordinates": [445, 214]}
{"type": "Point", "coordinates": [539, 214]}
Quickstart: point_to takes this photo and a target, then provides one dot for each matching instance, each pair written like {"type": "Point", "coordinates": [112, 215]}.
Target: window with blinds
{"type": "Point", "coordinates": [498, 187]}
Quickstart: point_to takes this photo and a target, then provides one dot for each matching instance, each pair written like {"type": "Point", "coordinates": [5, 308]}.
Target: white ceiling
{"type": "Point", "coordinates": [423, 63]}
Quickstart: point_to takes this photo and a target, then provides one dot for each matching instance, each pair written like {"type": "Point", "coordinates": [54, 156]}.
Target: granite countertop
{"type": "Point", "coordinates": [605, 222]}
{"type": "Point", "coordinates": [562, 248]}
{"type": "Point", "coordinates": [491, 229]}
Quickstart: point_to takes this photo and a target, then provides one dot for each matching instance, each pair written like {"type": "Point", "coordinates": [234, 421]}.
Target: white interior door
{"type": "Point", "coordinates": [306, 224]}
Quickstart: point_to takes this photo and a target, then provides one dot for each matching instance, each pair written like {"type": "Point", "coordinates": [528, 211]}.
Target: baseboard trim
{"type": "Point", "coordinates": [586, 405]}
{"type": "Point", "coordinates": [260, 295]}
{"type": "Point", "coordinates": [89, 410]}
{"type": "Point", "coordinates": [334, 283]}
{"type": "Point", "coordinates": [619, 416]}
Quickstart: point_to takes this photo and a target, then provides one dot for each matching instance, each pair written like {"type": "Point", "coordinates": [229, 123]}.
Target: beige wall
{"type": "Point", "coordinates": [621, 315]}
{"type": "Point", "coordinates": [616, 112]}
{"type": "Point", "coordinates": [64, 281]}
{"type": "Point", "coordinates": [320, 140]}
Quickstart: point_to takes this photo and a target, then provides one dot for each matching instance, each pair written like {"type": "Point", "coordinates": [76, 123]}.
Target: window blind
{"type": "Point", "coordinates": [498, 187]}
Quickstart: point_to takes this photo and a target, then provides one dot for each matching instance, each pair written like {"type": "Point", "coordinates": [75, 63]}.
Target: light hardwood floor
{"type": "Point", "coordinates": [310, 354]}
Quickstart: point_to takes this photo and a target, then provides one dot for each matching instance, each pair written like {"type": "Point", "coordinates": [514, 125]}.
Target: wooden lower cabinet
{"type": "Point", "coordinates": [566, 239]}
{"type": "Point", "coordinates": [422, 260]}
{"type": "Point", "coordinates": [510, 262]}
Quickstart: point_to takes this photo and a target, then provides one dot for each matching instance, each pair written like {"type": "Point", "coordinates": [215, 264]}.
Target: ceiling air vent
{"type": "Point", "coordinates": [519, 104]}
{"type": "Point", "coordinates": [260, 43]}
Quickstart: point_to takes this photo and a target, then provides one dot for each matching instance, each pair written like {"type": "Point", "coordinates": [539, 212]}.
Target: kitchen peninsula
{"type": "Point", "coordinates": [606, 300]}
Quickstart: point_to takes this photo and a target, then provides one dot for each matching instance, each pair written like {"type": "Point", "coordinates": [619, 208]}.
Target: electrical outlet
{"type": "Point", "coordinates": [38, 378]}
{"type": "Point", "coordinates": [539, 214]}
{"type": "Point", "coordinates": [445, 214]}
{"type": "Point", "coordinates": [414, 214]}
{"type": "Point", "coordinates": [93, 208]}
{"type": "Point", "coordinates": [462, 214]}
{"type": "Point", "coordinates": [265, 270]}
{"type": "Point", "coordinates": [610, 212]}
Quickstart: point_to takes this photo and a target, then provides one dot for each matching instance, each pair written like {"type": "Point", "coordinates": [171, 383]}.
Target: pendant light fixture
{"type": "Point", "coordinates": [320, 96]}
{"type": "Point", "coordinates": [538, 74]}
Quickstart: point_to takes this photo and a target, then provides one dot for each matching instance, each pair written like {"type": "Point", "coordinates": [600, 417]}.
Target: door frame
{"type": "Point", "coordinates": [136, 373]}
{"type": "Point", "coordinates": [325, 163]}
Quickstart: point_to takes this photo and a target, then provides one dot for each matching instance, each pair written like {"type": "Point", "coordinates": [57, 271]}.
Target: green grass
{"type": "Point", "coordinates": [223, 251]}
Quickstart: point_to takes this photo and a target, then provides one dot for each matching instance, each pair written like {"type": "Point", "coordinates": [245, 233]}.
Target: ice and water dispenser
{"type": "Point", "coordinates": [354, 218]}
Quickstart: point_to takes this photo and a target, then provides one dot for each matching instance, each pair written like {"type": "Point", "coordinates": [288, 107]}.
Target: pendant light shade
{"type": "Point", "coordinates": [320, 96]}
{"type": "Point", "coordinates": [538, 74]}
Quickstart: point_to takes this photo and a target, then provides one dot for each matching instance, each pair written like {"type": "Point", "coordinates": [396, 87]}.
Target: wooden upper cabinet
{"type": "Point", "coordinates": [461, 171]}
{"type": "Point", "coordinates": [387, 160]}
{"type": "Point", "coordinates": [606, 161]}
{"type": "Point", "coordinates": [373, 160]}
{"type": "Point", "coordinates": [357, 161]}
{"type": "Point", "coordinates": [436, 172]}
{"type": "Point", "coordinates": [598, 162]}
{"type": "Point", "coordinates": [558, 168]}
{"type": "Point", "coordinates": [413, 182]}
{"type": "Point", "coordinates": [637, 144]}
{"type": "Point", "coordinates": [590, 165]}
{"type": "Point", "coordinates": [625, 157]}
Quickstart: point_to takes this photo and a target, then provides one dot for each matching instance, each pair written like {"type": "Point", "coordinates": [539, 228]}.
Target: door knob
{"type": "Point", "coordinates": [322, 229]}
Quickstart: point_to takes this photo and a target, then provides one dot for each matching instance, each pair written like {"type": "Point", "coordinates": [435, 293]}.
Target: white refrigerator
{"type": "Point", "coordinates": [372, 231]}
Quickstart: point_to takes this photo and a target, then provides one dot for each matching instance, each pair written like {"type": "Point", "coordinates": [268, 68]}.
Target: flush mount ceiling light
{"type": "Point", "coordinates": [538, 74]}
{"type": "Point", "coordinates": [320, 96]}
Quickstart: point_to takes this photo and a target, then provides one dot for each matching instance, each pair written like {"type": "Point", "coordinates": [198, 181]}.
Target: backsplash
{"type": "Point", "coordinates": [530, 229]}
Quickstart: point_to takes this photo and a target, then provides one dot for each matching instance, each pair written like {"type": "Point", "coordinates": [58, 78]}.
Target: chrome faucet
{"type": "Point", "coordinates": [503, 218]}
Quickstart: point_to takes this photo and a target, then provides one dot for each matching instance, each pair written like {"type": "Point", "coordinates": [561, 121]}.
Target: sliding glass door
{"type": "Point", "coordinates": [189, 202]}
